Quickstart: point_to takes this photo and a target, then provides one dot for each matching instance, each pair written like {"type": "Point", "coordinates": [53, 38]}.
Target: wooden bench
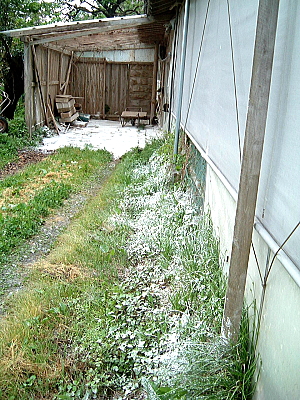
{"type": "Point", "coordinates": [133, 114]}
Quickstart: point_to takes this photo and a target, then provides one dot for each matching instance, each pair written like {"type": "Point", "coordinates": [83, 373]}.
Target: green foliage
{"type": "Point", "coordinates": [17, 137]}
{"type": "Point", "coordinates": [16, 14]}
{"type": "Point", "coordinates": [23, 220]}
{"type": "Point", "coordinates": [209, 370]}
{"type": "Point", "coordinates": [129, 302]}
{"type": "Point", "coordinates": [17, 126]}
{"type": "Point", "coordinates": [102, 9]}
{"type": "Point", "coordinates": [38, 189]}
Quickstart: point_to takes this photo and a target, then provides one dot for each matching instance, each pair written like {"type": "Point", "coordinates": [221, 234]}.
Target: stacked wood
{"type": "Point", "coordinates": [65, 105]}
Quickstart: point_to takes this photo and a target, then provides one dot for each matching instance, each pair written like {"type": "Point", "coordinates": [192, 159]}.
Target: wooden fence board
{"type": "Point", "coordinates": [119, 85]}
{"type": "Point", "coordinates": [87, 81]}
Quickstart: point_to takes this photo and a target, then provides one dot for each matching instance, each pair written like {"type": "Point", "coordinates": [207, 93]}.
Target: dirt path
{"type": "Point", "coordinates": [25, 157]}
{"type": "Point", "coordinates": [16, 267]}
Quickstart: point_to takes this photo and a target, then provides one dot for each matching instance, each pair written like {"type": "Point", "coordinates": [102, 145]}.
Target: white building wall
{"type": "Point", "coordinates": [278, 346]}
{"type": "Point", "coordinates": [210, 118]}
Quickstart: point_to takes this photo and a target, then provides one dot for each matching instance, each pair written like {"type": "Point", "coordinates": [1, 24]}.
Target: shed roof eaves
{"type": "Point", "coordinates": [79, 25]}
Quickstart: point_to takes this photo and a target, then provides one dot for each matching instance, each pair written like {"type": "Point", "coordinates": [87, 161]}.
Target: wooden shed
{"type": "Point", "coordinates": [106, 65]}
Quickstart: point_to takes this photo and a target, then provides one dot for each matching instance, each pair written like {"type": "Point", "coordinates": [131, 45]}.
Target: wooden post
{"type": "Point", "coordinates": [53, 119]}
{"type": "Point", "coordinates": [28, 78]}
{"type": "Point", "coordinates": [251, 164]}
{"type": "Point", "coordinates": [65, 85]}
{"type": "Point", "coordinates": [60, 71]}
{"type": "Point", "coordinates": [39, 84]}
{"type": "Point", "coordinates": [104, 88]}
{"type": "Point", "coordinates": [48, 76]}
{"type": "Point", "coordinates": [154, 84]}
{"type": "Point", "coordinates": [127, 87]}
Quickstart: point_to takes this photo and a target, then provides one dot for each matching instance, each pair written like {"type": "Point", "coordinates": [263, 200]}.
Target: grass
{"type": "Point", "coordinates": [17, 137]}
{"type": "Point", "coordinates": [29, 196]}
{"type": "Point", "coordinates": [129, 302]}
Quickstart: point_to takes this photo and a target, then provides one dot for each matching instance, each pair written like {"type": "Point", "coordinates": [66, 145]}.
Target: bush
{"type": "Point", "coordinates": [17, 136]}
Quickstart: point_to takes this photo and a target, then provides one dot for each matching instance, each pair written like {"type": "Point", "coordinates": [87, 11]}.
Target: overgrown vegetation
{"type": "Point", "coordinates": [128, 305]}
{"type": "Point", "coordinates": [15, 14]}
{"type": "Point", "coordinates": [30, 195]}
{"type": "Point", "coordinates": [17, 138]}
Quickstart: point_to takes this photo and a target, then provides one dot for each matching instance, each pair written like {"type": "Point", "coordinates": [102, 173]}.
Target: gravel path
{"type": "Point", "coordinates": [16, 268]}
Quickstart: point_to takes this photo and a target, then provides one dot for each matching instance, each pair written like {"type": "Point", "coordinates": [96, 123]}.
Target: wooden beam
{"type": "Point", "coordinates": [65, 85]}
{"type": "Point", "coordinates": [251, 164]}
{"type": "Point", "coordinates": [60, 70]}
{"type": "Point", "coordinates": [154, 84]}
{"type": "Point", "coordinates": [100, 46]}
{"type": "Point", "coordinates": [67, 35]}
{"type": "Point", "coordinates": [53, 119]}
{"type": "Point", "coordinates": [48, 75]}
{"type": "Point", "coordinates": [28, 78]}
{"type": "Point", "coordinates": [39, 84]}
{"type": "Point", "coordinates": [104, 88]}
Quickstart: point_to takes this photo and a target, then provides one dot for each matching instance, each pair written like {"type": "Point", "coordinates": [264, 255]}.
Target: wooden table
{"type": "Point", "coordinates": [132, 116]}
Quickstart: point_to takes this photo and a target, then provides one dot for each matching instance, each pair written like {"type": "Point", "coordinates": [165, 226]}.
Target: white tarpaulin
{"type": "Point", "coordinates": [212, 112]}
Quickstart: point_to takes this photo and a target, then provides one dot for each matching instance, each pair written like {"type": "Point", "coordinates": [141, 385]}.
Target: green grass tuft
{"type": "Point", "coordinates": [129, 302]}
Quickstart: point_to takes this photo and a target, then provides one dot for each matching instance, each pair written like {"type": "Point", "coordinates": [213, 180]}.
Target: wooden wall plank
{"type": "Point", "coordinates": [121, 85]}
{"type": "Point", "coordinates": [87, 80]}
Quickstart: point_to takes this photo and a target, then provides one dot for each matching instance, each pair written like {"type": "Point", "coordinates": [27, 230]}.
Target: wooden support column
{"type": "Point", "coordinates": [60, 71]}
{"type": "Point", "coordinates": [48, 78]}
{"type": "Point", "coordinates": [43, 103]}
{"type": "Point", "coordinates": [65, 85]}
{"type": "Point", "coordinates": [251, 164]}
{"type": "Point", "coordinates": [28, 79]}
{"type": "Point", "coordinates": [104, 88]}
{"type": "Point", "coordinates": [154, 84]}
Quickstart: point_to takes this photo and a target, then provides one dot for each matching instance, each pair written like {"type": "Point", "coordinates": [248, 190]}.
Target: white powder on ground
{"type": "Point", "coordinates": [102, 134]}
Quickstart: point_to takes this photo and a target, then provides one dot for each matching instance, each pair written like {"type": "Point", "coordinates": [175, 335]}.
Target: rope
{"type": "Point", "coordinates": [173, 67]}
{"type": "Point", "coordinates": [197, 65]}
{"type": "Point", "coordinates": [267, 273]}
{"type": "Point", "coordinates": [257, 264]}
{"type": "Point", "coordinates": [233, 71]}
{"type": "Point", "coordinates": [234, 81]}
{"type": "Point", "coordinates": [278, 250]}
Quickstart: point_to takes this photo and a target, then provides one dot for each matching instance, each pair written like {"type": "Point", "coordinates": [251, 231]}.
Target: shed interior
{"type": "Point", "coordinates": [107, 65]}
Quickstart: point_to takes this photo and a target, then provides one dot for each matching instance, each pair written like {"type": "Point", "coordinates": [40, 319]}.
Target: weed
{"type": "Point", "coordinates": [17, 137]}
{"type": "Point", "coordinates": [28, 197]}
{"type": "Point", "coordinates": [133, 292]}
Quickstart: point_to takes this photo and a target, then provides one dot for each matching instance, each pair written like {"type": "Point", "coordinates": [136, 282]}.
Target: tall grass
{"type": "Point", "coordinates": [17, 137]}
{"type": "Point", "coordinates": [129, 302]}
{"type": "Point", "coordinates": [30, 195]}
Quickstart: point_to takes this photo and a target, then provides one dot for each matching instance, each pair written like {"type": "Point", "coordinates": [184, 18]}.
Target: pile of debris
{"type": "Point", "coordinates": [24, 158]}
{"type": "Point", "coordinates": [65, 105]}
